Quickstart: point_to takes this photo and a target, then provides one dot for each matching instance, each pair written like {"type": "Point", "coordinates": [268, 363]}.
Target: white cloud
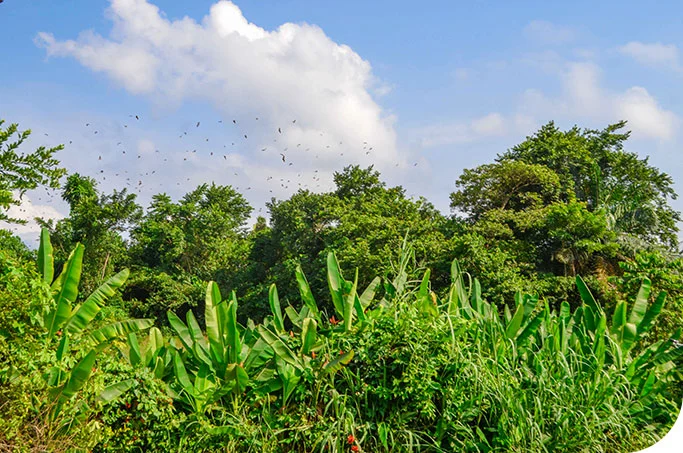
{"type": "Point", "coordinates": [544, 32]}
{"type": "Point", "coordinates": [292, 72]}
{"type": "Point", "coordinates": [583, 97]}
{"type": "Point", "coordinates": [489, 125]}
{"type": "Point", "coordinates": [656, 54]}
{"type": "Point", "coordinates": [644, 115]}
{"type": "Point", "coordinates": [28, 211]}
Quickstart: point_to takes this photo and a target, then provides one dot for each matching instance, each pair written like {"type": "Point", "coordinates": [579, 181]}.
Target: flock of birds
{"type": "Point", "coordinates": [111, 171]}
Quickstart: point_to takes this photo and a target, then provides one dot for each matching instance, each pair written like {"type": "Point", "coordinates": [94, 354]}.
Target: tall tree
{"type": "Point", "coordinates": [98, 221]}
{"type": "Point", "coordinates": [593, 165]}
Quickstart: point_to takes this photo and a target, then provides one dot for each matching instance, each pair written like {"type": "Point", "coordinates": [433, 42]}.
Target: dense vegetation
{"type": "Point", "coordinates": [543, 315]}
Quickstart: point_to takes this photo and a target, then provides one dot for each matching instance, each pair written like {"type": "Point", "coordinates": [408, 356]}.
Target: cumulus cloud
{"type": "Point", "coordinates": [293, 72]}
{"type": "Point", "coordinates": [544, 32]}
{"type": "Point", "coordinates": [583, 96]}
{"type": "Point", "coordinates": [644, 115]}
{"type": "Point", "coordinates": [655, 54]}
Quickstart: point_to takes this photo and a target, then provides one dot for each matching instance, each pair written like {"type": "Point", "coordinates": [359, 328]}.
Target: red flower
{"type": "Point", "coordinates": [354, 448]}
{"type": "Point", "coordinates": [333, 321]}
{"type": "Point", "coordinates": [341, 352]}
{"type": "Point", "coordinates": [350, 439]}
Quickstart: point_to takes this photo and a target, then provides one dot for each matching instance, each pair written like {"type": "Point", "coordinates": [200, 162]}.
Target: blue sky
{"type": "Point", "coordinates": [444, 85]}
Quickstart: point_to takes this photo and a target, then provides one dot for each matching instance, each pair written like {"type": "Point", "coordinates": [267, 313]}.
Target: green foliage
{"type": "Point", "coordinates": [20, 172]}
{"type": "Point", "coordinates": [96, 221]}
{"type": "Point", "coordinates": [593, 167]}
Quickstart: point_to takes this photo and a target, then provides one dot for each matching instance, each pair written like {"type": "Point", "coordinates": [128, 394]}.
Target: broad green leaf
{"type": "Point", "coordinates": [649, 384]}
{"type": "Point", "coordinates": [181, 374]}
{"type": "Point", "coordinates": [274, 301]}
{"type": "Point", "coordinates": [211, 318]}
{"type": "Point", "coordinates": [134, 355]}
{"type": "Point", "coordinates": [308, 335]}
{"type": "Point", "coordinates": [423, 290]}
{"type": "Point", "coordinates": [119, 329]}
{"type": "Point", "coordinates": [79, 376]}
{"type": "Point", "coordinates": [204, 382]}
{"type": "Point", "coordinates": [630, 335]}
{"type": "Point", "coordinates": [200, 347]}
{"type": "Point", "coordinates": [475, 298]}
{"type": "Point", "coordinates": [515, 322]}
{"type": "Point", "coordinates": [181, 329]}
{"type": "Point", "coordinates": [369, 293]}
{"type": "Point", "coordinates": [640, 306]}
{"type": "Point", "coordinates": [338, 362]}
{"type": "Point", "coordinates": [112, 392]}
{"type": "Point", "coordinates": [259, 354]}
{"type": "Point", "coordinates": [306, 294]}
{"type": "Point", "coordinates": [586, 295]}
{"type": "Point", "coordinates": [238, 374]}
{"type": "Point", "coordinates": [63, 347]}
{"type": "Point", "coordinates": [159, 368]}
{"type": "Point", "coordinates": [531, 328]}
{"type": "Point", "coordinates": [93, 304]}
{"type": "Point", "coordinates": [335, 282]}
{"type": "Point", "coordinates": [155, 343]}
{"type": "Point", "coordinates": [45, 257]}
{"type": "Point", "coordinates": [618, 319]}
{"type": "Point", "coordinates": [293, 315]}
{"type": "Point", "coordinates": [565, 310]}
{"type": "Point", "coordinates": [66, 287]}
{"type": "Point", "coordinates": [279, 347]}
{"type": "Point", "coordinates": [349, 300]}
{"type": "Point", "coordinates": [652, 313]}
{"type": "Point", "coordinates": [234, 340]}
{"type": "Point", "coordinates": [289, 378]}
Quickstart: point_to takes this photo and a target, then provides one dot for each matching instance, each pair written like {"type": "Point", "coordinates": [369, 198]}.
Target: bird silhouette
{"type": "Point", "coordinates": [279, 130]}
{"type": "Point", "coordinates": [137, 117]}
{"type": "Point", "coordinates": [197, 123]}
{"type": "Point", "coordinates": [283, 157]}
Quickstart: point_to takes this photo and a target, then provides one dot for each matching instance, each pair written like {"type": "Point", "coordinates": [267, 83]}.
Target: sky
{"type": "Point", "coordinates": [274, 96]}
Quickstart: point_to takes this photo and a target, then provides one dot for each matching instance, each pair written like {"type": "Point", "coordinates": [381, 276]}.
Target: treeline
{"type": "Point", "coordinates": [560, 204]}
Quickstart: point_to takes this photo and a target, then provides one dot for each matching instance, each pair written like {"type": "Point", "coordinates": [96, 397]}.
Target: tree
{"type": "Point", "coordinates": [593, 166]}
{"type": "Point", "coordinates": [362, 220]}
{"type": "Point", "coordinates": [195, 236]}
{"type": "Point", "coordinates": [98, 222]}
{"type": "Point", "coordinates": [22, 172]}
{"type": "Point", "coordinates": [177, 246]}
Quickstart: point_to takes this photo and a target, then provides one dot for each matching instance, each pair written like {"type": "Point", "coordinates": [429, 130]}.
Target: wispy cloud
{"type": "Point", "coordinates": [653, 55]}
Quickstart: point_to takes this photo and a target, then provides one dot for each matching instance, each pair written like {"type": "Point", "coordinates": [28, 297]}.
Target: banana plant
{"type": "Point", "coordinates": [626, 329]}
{"type": "Point", "coordinates": [70, 322]}
{"type": "Point", "coordinates": [208, 367]}
{"type": "Point", "coordinates": [287, 366]}
{"type": "Point", "coordinates": [348, 304]}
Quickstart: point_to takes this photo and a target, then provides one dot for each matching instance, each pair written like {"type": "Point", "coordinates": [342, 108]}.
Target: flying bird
{"type": "Point", "coordinates": [283, 157]}
{"type": "Point", "coordinates": [279, 130]}
{"type": "Point", "coordinates": [197, 123]}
